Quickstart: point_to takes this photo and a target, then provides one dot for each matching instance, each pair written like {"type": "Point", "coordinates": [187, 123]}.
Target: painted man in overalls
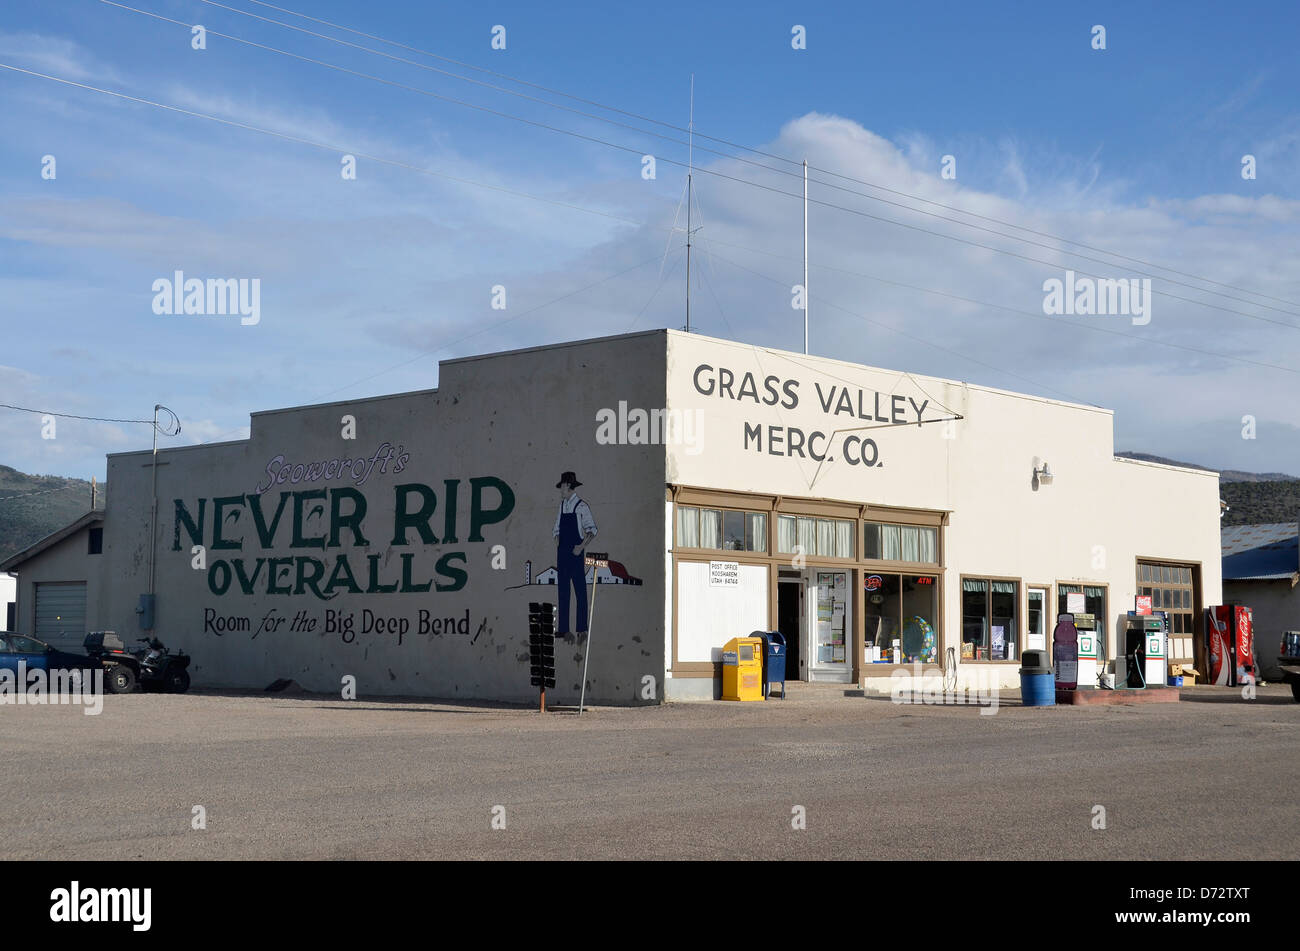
{"type": "Point", "coordinates": [574, 530]}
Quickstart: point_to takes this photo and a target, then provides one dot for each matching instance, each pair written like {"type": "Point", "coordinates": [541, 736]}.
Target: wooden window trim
{"type": "Point", "coordinates": [988, 608]}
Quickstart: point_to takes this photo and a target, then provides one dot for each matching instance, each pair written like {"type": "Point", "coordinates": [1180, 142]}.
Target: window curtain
{"type": "Point", "coordinates": [891, 545]}
{"type": "Point", "coordinates": [843, 539]}
{"type": "Point", "coordinates": [807, 535]}
{"type": "Point", "coordinates": [929, 546]}
{"type": "Point", "coordinates": [688, 527]}
{"type": "Point", "coordinates": [911, 543]}
{"type": "Point", "coordinates": [710, 528]}
{"type": "Point", "coordinates": [756, 531]}
{"type": "Point", "coordinates": [825, 537]}
{"type": "Point", "coordinates": [785, 533]}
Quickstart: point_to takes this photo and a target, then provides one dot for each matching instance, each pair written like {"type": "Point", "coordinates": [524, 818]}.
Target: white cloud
{"type": "Point", "coordinates": [53, 55]}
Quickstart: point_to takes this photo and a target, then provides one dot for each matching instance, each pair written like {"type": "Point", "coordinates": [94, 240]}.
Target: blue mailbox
{"type": "Point", "coordinates": [773, 660]}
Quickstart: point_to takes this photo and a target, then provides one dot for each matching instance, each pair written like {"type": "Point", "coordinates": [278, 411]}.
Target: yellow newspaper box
{"type": "Point", "coordinates": [742, 669]}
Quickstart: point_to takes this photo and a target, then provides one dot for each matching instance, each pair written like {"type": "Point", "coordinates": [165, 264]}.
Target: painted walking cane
{"type": "Point", "coordinates": [597, 560]}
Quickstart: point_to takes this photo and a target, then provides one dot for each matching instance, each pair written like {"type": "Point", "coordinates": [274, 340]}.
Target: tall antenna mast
{"type": "Point", "coordinates": [690, 166]}
{"type": "Point", "coordinates": [805, 256]}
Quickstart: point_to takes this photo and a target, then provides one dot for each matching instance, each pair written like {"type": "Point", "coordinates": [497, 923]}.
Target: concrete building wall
{"type": "Point", "coordinates": [1087, 525]}
{"type": "Point", "coordinates": [8, 593]}
{"type": "Point", "coordinates": [498, 431]}
{"type": "Point", "coordinates": [68, 560]}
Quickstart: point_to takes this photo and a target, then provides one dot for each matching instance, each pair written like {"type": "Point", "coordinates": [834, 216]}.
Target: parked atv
{"type": "Point", "coordinates": [152, 667]}
{"type": "Point", "coordinates": [121, 668]}
{"type": "Point", "coordinates": [160, 669]}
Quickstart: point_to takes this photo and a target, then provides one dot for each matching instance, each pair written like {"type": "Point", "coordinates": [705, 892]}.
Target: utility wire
{"type": "Point", "coordinates": [729, 143]}
{"type": "Point", "coordinates": [903, 333]}
{"type": "Point", "coordinates": [317, 145]}
{"type": "Point", "coordinates": [28, 495]}
{"type": "Point", "coordinates": [500, 323]}
{"type": "Point", "coordinates": [97, 419]}
{"type": "Point", "coordinates": [636, 151]}
{"type": "Point", "coordinates": [451, 343]}
{"type": "Point", "coordinates": [1014, 310]}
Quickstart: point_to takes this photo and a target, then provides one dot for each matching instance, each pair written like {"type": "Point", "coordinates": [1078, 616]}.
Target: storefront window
{"type": "Point", "coordinates": [901, 542]}
{"type": "Point", "coordinates": [1094, 603]}
{"type": "Point", "coordinates": [989, 615]}
{"type": "Point", "coordinates": [733, 531]}
{"type": "Point", "coordinates": [882, 612]}
{"type": "Point", "coordinates": [901, 618]}
{"type": "Point", "coordinates": [721, 529]}
{"type": "Point", "coordinates": [824, 537]}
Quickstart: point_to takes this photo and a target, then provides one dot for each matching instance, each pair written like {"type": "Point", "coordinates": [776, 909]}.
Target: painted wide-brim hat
{"type": "Point", "coordinates": [570, 478]}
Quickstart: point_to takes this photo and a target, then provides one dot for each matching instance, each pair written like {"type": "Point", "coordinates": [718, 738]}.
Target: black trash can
{"type": "Point", "coordinates": [773, 660]}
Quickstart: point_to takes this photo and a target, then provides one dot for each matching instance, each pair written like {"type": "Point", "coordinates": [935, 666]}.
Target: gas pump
{"type": "Point", "coordinates": [1086, 625]}
{"type": "Point", "coordinates": [1157, 647]}
{"type": "Point", "coordinates": [1143, 660]}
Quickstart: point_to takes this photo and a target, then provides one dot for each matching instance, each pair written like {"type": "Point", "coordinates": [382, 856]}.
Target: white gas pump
{"type": "Point", "coordinates": [1157, 636]}
{"type": "Point", "coordinates": [1086, 625]}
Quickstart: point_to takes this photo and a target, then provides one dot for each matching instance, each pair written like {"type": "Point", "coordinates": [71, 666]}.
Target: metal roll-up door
{"type": "Point", "coordinates": [61, 614]}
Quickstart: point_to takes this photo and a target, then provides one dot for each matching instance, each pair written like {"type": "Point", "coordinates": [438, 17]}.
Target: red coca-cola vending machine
{"type": "Point", "coordinates": [1230, 645]}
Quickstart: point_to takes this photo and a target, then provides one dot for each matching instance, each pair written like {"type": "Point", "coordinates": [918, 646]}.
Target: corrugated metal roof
{"type": "Point", "coordinates": [1238, 538]}
{"type": "Point", "coordinates": [1261, 552]}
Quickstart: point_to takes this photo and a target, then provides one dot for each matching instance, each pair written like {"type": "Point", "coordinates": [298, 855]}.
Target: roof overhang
{"type": "Point", "coordinates": [90, 519]}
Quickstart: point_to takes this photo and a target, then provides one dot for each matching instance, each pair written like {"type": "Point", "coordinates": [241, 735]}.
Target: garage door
{"type": "Point", "coordinates": [61, 614]}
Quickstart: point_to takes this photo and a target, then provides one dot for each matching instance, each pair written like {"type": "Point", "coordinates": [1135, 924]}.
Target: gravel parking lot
{"type": "Point", "coordinates": [1213, 776]}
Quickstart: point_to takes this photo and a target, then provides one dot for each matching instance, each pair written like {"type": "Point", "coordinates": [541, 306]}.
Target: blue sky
{"type": "Point", "coordinates": [366, 284]}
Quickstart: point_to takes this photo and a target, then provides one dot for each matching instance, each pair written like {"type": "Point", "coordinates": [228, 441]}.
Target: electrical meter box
{"type": "Point", "coordinates": [742, 669]}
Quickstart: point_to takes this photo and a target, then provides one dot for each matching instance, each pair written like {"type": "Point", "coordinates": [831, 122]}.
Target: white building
{"type": "Point", "coordinates": [8, 600]}
{"type": "Point", "coordinates": [748, 489]}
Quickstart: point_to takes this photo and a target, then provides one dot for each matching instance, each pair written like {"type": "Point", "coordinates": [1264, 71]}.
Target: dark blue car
{"type": "Point", "coordinates": [38, 655]}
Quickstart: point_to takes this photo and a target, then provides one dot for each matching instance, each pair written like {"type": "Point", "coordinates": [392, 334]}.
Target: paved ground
{"type": "Point", "coordinates": [306, 777]}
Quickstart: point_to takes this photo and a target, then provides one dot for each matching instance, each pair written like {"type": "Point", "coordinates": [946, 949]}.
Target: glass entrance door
{"type": "Point", "coordinates": [1036, 622]}
{"type": "Point", "coordinates": [829, 625]}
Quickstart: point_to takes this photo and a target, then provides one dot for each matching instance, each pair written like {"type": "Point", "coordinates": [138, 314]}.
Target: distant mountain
{"type": "Point", "coordinates": [1254, 503]}
{"type": "Point", "coordinates": [1225, 475]}
{"type": "Point", "coordinates": [32, 506]}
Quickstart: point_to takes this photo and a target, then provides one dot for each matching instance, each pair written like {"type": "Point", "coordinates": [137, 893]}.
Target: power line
{"type": "Point", "coordinates": [903, 333]}
{"type": "Point", "coordinates": [97, 419]}
{"type": "Point", "coordinates": [729, 143]}
{"type": "Point", "coordinates": [635, 151]}
{"type": "Point", "coordinates": [451, 343]}
{"type": "Point", "coordinates": [28, 495]}
{"type": "Point", "coordinates": [1014, 310]}
{"type": "Point", "coordinates": [317, 145]}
